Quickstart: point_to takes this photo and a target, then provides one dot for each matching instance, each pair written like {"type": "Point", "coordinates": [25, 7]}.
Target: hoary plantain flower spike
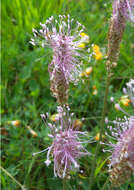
{"type": "Point", "coordinates": [63, 37]}
{"type": "Point", "coordinates": [67, 145]}
{"type": "Point", "coordinates": [121, 166]}
{"type": "Point", "coordinates": [123, 10]}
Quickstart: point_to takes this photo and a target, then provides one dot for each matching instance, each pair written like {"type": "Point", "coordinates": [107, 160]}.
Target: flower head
{"type": "Point", "coordinates": [97, 52]}
{"type": "Point", "coordinates": [66, 40]}
{"type": "Point", "coordinates": [66, 147]}
{"type": "Point", "coordinates": [121, 165]}
{"type": "Point", "coordinates": [125, 100]}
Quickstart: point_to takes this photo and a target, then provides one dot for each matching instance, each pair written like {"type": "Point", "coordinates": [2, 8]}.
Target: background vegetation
{"type": "Point", "coordinates": [26, 90]}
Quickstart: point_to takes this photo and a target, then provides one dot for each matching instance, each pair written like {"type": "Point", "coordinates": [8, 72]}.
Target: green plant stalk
{"type": "Point", "coordinates": [8, 174]}
{"type": "Point", "coordinates": [91, 179]}
{"type": "Point", "coordinates": [64, 183]}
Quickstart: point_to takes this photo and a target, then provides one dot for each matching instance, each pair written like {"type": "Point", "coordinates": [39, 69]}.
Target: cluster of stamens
{"type": "Point", "coordinates": [64, 37]}
{"type": "Point", "coordinates": [66, 147]}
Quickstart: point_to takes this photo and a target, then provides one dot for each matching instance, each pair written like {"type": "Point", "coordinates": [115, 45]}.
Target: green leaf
{"type": "Point", "coordinates": [98, 169]}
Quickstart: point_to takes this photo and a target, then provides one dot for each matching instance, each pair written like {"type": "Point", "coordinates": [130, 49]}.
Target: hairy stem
{"type": "Point", "coordinates": [91, 179]}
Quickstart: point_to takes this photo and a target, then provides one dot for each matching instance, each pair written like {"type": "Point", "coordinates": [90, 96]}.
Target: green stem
{"type": "Point", "coordinates": [8, 174]}
{"type": "Point", "coordinates": [64, 183]}
{"type": "Point", "coordinates": [91, 179]}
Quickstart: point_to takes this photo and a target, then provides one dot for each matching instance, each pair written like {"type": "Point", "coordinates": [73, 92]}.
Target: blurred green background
{"type": "Point", "coordinates": [26, 92]}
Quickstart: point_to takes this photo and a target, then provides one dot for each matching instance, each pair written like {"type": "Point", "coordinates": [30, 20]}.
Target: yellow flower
{"type": "Point", "coordinates": [81, 45]}
{"type": "Point", "coordinates": [125, 100]}
{"type": "Point", "coordinates": [82, 74]}
{"type": "Point", "coordinates": [89, 70]}
{"type": "Point", "coordinates": [98, 56]}
{"type": "Point", "coordinates": [54, 117]}
{"type": "Point", "coordinates": [84, 37]}
{"type": "Point", "coordinates": [96, 48]}
{"type": "Point", "coordinates": [97, 137]}
{"type": "Point", "coordinates": [82, 34]}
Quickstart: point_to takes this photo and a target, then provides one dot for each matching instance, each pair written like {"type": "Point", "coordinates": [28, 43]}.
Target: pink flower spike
{"type": "Point", "coordinates": [63, 37]}
{"type": "Point", "coordinates": [67, 145]}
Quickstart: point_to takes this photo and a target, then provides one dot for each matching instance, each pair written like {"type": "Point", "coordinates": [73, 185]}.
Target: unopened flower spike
{"type": "Point", "coordinates": [67, 146]}
{"type": "Point", "coordinates": [121, 144]}
{"type": "Point", "coordinates": [64, 37]}
{"type": "Point", "coordinates": [123, 10]}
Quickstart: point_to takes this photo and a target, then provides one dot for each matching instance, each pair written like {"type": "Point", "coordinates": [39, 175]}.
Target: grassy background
{"type": "Point", "coordinates": [26, 94]}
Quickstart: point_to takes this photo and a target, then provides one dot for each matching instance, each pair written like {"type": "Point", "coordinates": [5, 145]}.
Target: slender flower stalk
{"type": "Point", "coordinates": [65, 38]}
{"type": "Point", "coordinates": [67, 145]}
